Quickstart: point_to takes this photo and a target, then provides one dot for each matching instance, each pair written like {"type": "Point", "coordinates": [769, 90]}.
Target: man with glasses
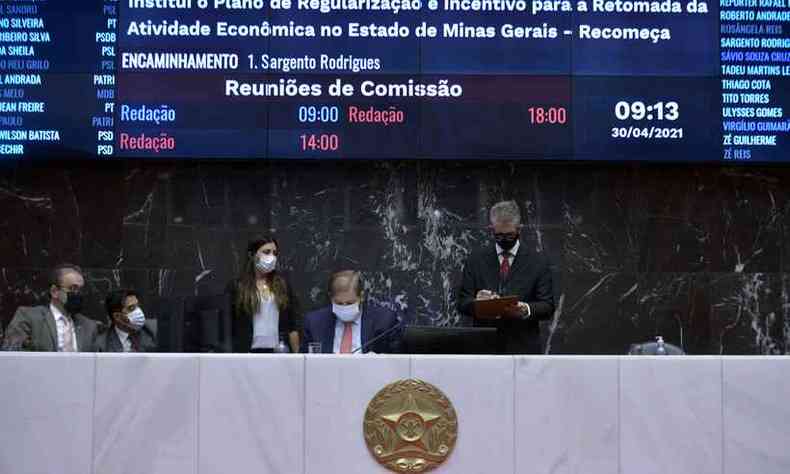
{"type": "Point", "coordinates": [509, 269]}
{"type": "Point", "coordinates": [59, 326]}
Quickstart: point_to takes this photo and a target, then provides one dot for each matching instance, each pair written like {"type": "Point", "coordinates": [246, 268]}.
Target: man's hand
{"type": "Point", "coordinates": [18, 342]}
{"type": "Point", "coordinates": [486, 295]}
{"type": "Point", "coordinates": [518, 310]}
{"type": "Point", "coordinates": [525, 310]}
{"type": "Point", "coordinates": [513, 311]}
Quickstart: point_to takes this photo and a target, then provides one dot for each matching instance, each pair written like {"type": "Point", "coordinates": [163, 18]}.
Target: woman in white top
{"type": "Point", "coordinates": [264, 305]}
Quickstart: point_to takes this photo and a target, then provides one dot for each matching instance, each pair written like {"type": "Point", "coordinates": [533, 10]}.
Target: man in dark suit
{"type": "Point", "coordinates": [58, 326]}
{"type": "Point", "coordinates": [349, 324]}
{"type": "Point", "coordinates": [129, 331]}
{"type": "Point", "coordinates": [507, 268]}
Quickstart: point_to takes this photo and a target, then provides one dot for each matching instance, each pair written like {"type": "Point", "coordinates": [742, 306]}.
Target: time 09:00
{"type": "Point", "coordinates": [322, 113]}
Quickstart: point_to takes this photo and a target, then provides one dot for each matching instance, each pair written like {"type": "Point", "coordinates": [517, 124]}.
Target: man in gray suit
{"type": "Point", "coordinates": [59, 326]}
{"type": "Point", "coordinates": [129, 331]}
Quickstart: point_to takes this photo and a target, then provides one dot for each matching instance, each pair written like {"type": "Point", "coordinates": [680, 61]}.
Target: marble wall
{"type": "Point", "coordinates": [696, 253]}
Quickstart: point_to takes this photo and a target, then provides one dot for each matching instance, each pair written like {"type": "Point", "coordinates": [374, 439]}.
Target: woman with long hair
{"type": "Point", "coordinates": [264, 304]}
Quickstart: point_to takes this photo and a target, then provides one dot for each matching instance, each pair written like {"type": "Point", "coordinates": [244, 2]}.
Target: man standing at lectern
{"type": "Point", "coordinates": [506, 268]}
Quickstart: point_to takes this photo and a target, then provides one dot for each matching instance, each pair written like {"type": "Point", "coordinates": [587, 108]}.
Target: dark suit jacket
{"type": "Point", "coordinates": [108, 340]}
{"type": "Point", "coordinates": [529, 279]}
{"type": "Point", "coordinates": [319, 326]}
{"type": "Point", "coordinates": [241, 323]}
{"type": "Point", "coordinates": [37, 325]}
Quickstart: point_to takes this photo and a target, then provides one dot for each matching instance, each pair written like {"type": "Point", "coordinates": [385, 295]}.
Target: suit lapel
{"type": "Point", "coordinates": [519, 261]}
{"type": "Point", "coordinates": [49, 320]}
{"type": "Point", "coordinates": [329, 334]}
{"type": "Point", "coordinates": [366, 331]}
{"type": "Point", "coordinates": [79, 331]}
{"type": "Point", "coordinates": [113, 342]}
{"type": "Point", "coordinates": [147, 342]}
{"type": "Point", "coordinates": [491, 266]}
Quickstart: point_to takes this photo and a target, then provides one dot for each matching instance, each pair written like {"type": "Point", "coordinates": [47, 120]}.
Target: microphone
{"type": "Point", "coordinates": [389, 331]}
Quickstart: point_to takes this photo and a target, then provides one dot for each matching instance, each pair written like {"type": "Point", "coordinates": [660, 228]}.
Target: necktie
{"type": "Point", "coordinates": [504, 267]}
{"type": "Point", "coordinates": [345, 343]}
{"type": "Point", "coordinates": [68, 335]}
{"type": "Point", "coordinates": [134, 339]}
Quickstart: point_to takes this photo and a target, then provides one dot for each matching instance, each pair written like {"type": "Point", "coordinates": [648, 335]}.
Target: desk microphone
{"type": "Point", "coordinates": [389, 331]}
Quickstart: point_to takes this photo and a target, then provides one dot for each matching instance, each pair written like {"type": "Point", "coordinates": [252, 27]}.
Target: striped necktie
{"type": "Point", "coordinates": [69, 344]}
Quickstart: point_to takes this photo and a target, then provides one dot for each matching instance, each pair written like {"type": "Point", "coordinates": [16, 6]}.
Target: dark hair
{"type": "Point", "coordinates": [354, 276]}
{"type": "Point", "coordinates": [59, 270]}
{"type": "Point", "coordinates": [247, 300]}
{"type": "Point", "coordinates": [116, 299]}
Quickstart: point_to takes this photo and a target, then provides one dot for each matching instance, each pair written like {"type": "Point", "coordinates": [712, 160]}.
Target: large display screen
{"type": "Point", "coordinates": [657, 80]}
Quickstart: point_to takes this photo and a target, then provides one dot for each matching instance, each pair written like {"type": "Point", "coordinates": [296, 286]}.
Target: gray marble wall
{"type": "Point", "coordinates": [696, 253]}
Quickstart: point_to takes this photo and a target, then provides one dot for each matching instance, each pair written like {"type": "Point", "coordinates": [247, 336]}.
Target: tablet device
{"type": "Point", "coordinates": [494, 308]}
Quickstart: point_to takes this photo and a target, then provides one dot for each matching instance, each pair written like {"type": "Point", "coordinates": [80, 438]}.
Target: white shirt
{"type": "Point", "coordinates": [266, 325]}
{"type": "Point", "coordinates": [60, 324]}
{"type": "Point", "coordinates": [356, 334]}
{"type": "Point", "coordinates": [123, 336]}
{"type": "Point", "coordinates": [513, 252]}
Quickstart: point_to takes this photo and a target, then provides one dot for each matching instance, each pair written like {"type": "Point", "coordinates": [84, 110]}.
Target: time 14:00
{"type": "Point", "coordinates": [319, 142]}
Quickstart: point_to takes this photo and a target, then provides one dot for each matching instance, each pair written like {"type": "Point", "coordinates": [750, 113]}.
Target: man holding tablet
{"type": "Point", "coordinates": [508, 270]}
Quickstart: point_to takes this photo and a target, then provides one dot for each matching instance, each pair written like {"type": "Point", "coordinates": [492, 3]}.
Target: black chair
{"type": "Point", "coordinates": [168, 312]}
{"type": "Point", "coordinates": [207, 324]}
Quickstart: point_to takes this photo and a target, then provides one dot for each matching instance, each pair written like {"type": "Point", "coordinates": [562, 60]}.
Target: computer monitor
{"type": "Point", "coordinates": [449, 340]}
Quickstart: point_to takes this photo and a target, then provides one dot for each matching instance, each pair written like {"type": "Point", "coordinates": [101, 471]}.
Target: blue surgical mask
{"type": "Point", "coordinates": [136, 319]}
{"type": "Point", "coordinates": [346, 312]}
{"type": "Point", "coordinates": [266, 263]}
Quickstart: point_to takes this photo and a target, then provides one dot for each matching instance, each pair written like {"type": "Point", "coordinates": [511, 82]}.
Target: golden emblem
{"type": "Point", "coordinates": [410, 426]}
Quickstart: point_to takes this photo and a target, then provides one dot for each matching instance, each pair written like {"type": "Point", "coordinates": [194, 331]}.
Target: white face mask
{"type": "Point", "coordinates": [346, 312]}
{"type": "Point", "coordinates": [266, 263]}
{"type": "Point", "coordinates": [136, 318]}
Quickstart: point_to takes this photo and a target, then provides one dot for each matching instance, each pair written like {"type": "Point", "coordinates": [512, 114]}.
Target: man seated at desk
{"type": "Point", "coordinates": [129, 331]}
{"type": "Point", "coordinates": [59, 326]}
{"type": "Point", "coordinates": [350, 323]}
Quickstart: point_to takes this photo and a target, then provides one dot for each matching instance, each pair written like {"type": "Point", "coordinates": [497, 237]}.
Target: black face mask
{"type": "Point", "coordinates": [506, 241]}
{"type": "Point", "coordinates": [73, 304]}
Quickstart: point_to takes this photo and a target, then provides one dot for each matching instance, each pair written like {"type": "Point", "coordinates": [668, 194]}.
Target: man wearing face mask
{"type": "Point", "coordinates": [350, 325]}
{"type": "Point", "coordinates": [129, 331]}
{"type": "Point", "coordinates": [58, 326]}
{"type": "Point", "coordinates": [506, 268]}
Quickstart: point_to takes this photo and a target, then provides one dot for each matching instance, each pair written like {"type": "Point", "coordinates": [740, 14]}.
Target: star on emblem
{"type": "Point", "coordinates": [410, 422]}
